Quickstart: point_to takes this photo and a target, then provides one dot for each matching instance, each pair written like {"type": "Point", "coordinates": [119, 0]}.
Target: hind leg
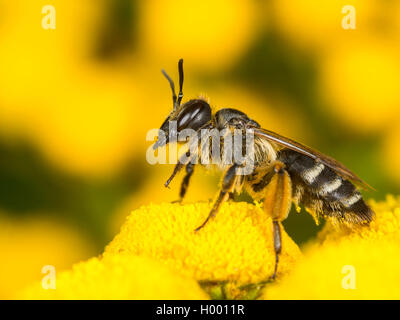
{"type": "Point", "coordinates": [277, 203]}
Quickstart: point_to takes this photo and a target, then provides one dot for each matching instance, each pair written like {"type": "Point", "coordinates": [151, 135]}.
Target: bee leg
{"type": "Point", "coordinates": [186, 180]}
{"type": "Point", "coordinates": [181, 163]}
{"type": "Point", "coordinates": [227, 184]}
{"type": "Point", "coordinates": [177, 168]}
{"type": "Point", "coordinates": [277, 203]}
{"type": "Point", "coordinates": [277, 245]}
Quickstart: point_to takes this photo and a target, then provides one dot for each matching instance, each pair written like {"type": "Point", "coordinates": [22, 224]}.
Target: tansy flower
{"type": "Point", "coordinates": [53, 92]}
{"type": "Point", "coordinates": [157, 252]}
{"type": "Point", "coordinates": [235, 246]}
{"type": "Point", "coordinates": [27, 245]}
{"type": "Point", "coordinates": [358, 265]}
{"type": "Point", "coordinates": [118, 277]}
{"type": "Point", "coordinates": [314, 26]}
{"type": "Point", "coordinates": [390, 153]}
{"type": "Point", "coordinates": [203, 187]}
{"type": "Point", "coordinates": [361, 80]}
{"type": "Point", "coordinates": [209, 34]}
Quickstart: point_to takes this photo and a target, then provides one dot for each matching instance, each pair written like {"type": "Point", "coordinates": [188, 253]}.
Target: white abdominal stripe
{"type": "Point", "coordinates": [309, 175]}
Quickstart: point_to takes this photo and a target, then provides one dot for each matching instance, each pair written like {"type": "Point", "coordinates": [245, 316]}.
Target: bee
{"type": "Point", "coordinates": [285, 171]}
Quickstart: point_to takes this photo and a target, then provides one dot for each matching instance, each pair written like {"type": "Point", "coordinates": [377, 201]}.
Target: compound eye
{"type": "Point", "coordinates": [195, 114]}
{"type": "Point", "coordinates": [186, 117]}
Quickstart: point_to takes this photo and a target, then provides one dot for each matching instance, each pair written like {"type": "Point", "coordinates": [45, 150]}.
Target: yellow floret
{"type": "Point", "coordinates": [361, 265]}
{"type": "Point", "coordinates": [118, 277]}
{"type": "Point", "coordinates": [235, 246]}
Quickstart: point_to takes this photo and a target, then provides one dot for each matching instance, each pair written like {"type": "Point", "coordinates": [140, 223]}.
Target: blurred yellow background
{"type": "Point", "coordinates": [77, 101]}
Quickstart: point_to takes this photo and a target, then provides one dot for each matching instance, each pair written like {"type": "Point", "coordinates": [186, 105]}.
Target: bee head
{"type": "Point", "coordinates": [191, 115]}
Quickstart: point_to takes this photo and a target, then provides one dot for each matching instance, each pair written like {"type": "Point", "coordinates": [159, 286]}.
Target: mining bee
{"type": "Point", "coordinates": [285, 171]}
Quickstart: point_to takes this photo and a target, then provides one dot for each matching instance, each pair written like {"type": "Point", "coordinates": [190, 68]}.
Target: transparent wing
{"type": "Point", "coordinates": [326, 160]}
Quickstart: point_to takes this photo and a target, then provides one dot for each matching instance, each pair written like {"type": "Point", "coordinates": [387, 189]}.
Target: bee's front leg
{"type": "Point", "coordinates": [177, 168]}
{"type": "Point", "coordinates": [227, 185]}
{"type": "Point", "coordinates": [184, 160]}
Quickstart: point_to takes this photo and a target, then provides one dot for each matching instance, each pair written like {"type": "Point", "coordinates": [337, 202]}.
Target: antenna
{"type": "Point", "coordinates": [176, 102]}
{"type": "Point", "coordinates": [171, 83]}
{"type": "Point", "coordinates": [180, 68]}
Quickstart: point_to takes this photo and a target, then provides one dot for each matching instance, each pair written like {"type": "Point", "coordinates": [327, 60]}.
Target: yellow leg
{"type": "Point", "coordinates": [277, 203]}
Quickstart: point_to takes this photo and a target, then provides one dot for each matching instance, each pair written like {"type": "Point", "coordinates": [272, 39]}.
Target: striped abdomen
{"type": "Point", "coordinates": [323, 191]}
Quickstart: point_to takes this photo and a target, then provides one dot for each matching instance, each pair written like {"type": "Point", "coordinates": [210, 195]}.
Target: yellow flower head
{"type": "Point", "coordinates": [28, 245]}
{"type": "Point", "coordinates": [157, 255]}
{"type": "Point", "coordinates": [211, 34]}
{"type": "Point", "coordinates": [361, 79]}
{"type": "Point", "coordinates": [358, 265]}
{"type": "Point", "coordinates": [118, 277]}
{"type": "Point", "coordinates": [390, 154]}
{"type": "Point", "coordinates": [236, 245]}
{"type": "Point", "coordinates": [313, 26]}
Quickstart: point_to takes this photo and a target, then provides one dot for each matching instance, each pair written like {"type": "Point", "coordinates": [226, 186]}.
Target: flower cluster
{"type": "Point", "coordinates": [157, 255]}
{"type": "Point", "coordinates": [233, 250]}
{"type": "Point", "coordinates": [367, 258]}
{"type": "Point", "coordinates": [119, 277]}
